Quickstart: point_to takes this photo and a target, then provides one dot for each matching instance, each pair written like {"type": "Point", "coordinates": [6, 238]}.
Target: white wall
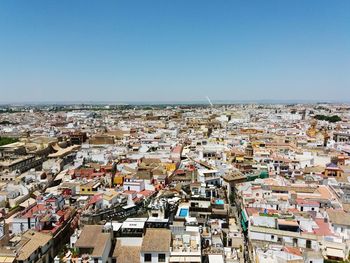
{"type": "Point", "coordinates": [16, 225]}
{"type": "Point", "coordinates": [313, 260]}
{"type": "Point", "coordinates": [264, 221]}
{"type": "Point", "coordinates": [343, 231]}
{"type": "Point", "coordinates": [154, 257]}
{"type": "Point", "coordinates": [286, 239]}
{"type": "Point", "coordinates": [308, 208]}
{"type": "Point", "coordinates": [134, 186]}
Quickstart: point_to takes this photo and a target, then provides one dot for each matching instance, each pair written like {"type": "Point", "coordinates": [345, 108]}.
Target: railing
{"type": "Point", "coordinates": [200, 209]}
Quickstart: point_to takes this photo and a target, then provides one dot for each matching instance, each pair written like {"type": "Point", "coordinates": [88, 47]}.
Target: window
{"type": "Point", "coordinates": [295, 242]}
{"type": "Point", "coordinates": [308, 243]}
{"type": "Point", "coordinates": [272, 237]}
{"type": "Point", "coordinates": [148, 257]}
{"type": "Point", "coordinates": [161, 257]}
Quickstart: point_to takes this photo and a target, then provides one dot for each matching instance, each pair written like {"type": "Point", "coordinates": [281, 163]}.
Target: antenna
{"type": "Point", "coordinates": [211, 104]}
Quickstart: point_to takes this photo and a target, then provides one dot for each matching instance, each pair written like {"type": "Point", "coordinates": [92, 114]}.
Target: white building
{"type": "Point", "coordinates": [156, 246]}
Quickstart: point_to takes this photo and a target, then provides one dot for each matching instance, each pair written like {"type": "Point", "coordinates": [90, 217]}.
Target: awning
{"type": "Point", "coordinates": [239, 159]}
{"type": "Point", "coordinates": [30, 201]}
{"type": "Point", "coordinates": [244, 226]}
{"type": "Point", "coordinates": [60, 176]}
{"type": "Point", "coordinates": [7, 259]}
{"type": "Point", "coordinates": [244, 218]}
{"type": "Point", "coordinates": [216, 259]}
{"type": "Point", "coordinates": [96, 185]}
{"type": "Point", "coordinates": [333, 252]}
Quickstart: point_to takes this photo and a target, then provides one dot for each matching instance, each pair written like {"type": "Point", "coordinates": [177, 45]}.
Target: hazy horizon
{"type": "Point", "coordinates": [189, 102]}
{"type": "Point", "coordinates": [161, 51]}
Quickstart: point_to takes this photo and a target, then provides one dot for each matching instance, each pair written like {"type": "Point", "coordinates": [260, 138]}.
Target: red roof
{"type": "Point", "coordinates": [137, 199]}
{"type": "Point", "coordinates": [323, 228]}
{"type": "Point", "coordinates": [301, 201]}
{"type": "Point", "coordinates": [293, 210]}
{"type": "Point", "coordinates": [177, 149]}
{"type": "Point", "coordinates": [60, 212]}
{"type": "Point", "coordinates": [33, 210]}
{"type": "Point", "coordinates": [97, 174]}
{"type": "Point", "coordinates": [95, 199]}
{"type": "Point", "coordinates": [146, 193]}
{"type": "Point", "coordinates": [255, 210]}
{"type": "Point", "coordinates": [292, 250]}
{"type": "Point", "coordinates": [129, 192]}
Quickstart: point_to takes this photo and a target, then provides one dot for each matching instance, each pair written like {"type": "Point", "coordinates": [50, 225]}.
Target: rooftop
{"type": "Point", "coordinates": [156, 240]}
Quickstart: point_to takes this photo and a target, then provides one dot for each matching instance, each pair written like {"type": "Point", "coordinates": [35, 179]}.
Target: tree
{"type": "Point", "coordinates": [7, 140]}
{"type": "Point", "coordinates": [332, 119]}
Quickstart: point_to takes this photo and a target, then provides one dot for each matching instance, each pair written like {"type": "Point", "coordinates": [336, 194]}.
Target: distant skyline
{"type": "Point", "coordinates": [183, 50]}
{"type": "Point", "coordinates": [178, 102]}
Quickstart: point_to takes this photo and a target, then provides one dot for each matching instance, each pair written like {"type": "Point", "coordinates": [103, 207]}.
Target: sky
{"type": "Point", "coordinates": [174, 50]}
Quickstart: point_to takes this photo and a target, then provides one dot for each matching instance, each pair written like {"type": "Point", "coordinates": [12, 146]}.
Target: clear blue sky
{"type": "Point", "coordinates": [174, 50]}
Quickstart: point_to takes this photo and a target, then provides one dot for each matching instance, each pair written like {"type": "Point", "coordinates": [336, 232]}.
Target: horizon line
{"type": "Point", "coordinates": [176, 102]}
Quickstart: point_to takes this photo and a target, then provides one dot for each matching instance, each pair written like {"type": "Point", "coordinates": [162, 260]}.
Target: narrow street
{"type": "Point", "coordinates": [238, 217]}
